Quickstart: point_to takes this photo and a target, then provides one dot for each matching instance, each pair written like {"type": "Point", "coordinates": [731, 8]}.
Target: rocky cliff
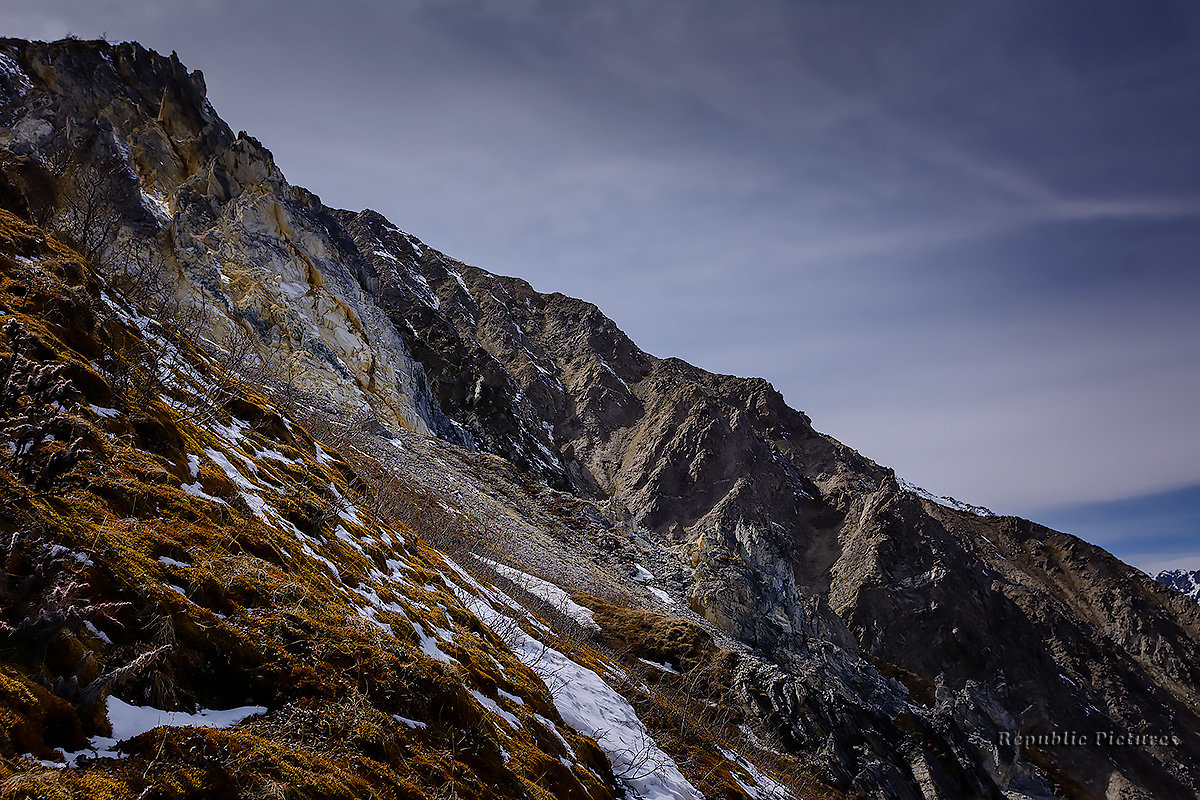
{"type": "Point", "coordinates": [832, 630]}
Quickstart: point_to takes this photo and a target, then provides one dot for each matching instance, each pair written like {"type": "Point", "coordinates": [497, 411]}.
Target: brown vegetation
{"type": "Point", "coordinates": [117, 578]}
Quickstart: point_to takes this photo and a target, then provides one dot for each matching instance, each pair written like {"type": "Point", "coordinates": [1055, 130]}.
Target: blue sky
{"type": "Point", "coordinates": [963, 237]}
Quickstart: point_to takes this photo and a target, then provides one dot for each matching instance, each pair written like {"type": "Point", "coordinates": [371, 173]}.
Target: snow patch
{"type": "Point", "coordinates": [157, 205]}
{"type": "Point", "coordinates": [99, 634]}
{"type": "Point", "coordinates": [549, 592]}
{"type": "Point", "coordinates": [661, 595]}
{"type": "Point", "coordinates": [429, 644]}
{"type": "Point", "coordinates": [129, 721]}
{"type": "Point", "coordinates": [494, 707]}
{"type": "Point", "coordinates": [760, 786]}
{"type": "Point", "coordinates": [196, 490]}
{"type": "Point", "coordinates": [948, 502]}
{"type": "Point", "coordinates": [595, 709]}
{"type": "Point", "coordinates": [18, 80]}
{"type": "Point", "coordinates": [411, 723]}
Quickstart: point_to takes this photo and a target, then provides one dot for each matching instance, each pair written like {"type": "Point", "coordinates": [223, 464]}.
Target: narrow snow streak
{"type": "Point", "coordinates": [548, 592]}
{"type": "Point", "coordinates": [590, 706]}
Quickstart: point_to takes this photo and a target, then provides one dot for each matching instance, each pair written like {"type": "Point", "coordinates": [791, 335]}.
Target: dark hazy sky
{"type": "Point", "coordinates": [962, 236]}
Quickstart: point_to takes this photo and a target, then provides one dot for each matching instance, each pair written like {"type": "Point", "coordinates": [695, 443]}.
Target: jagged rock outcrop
{"type": "Point", "coordinates": [895, 642]}
{"type": "Point", "coordinates": [790, 536]}
{"type": "Point", "coordinates": [779, 524]}
{"type": "Point", "coordinates": [237, 244]}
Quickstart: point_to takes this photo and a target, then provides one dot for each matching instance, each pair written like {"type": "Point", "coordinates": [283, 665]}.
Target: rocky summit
{"type": "Point", "coordinates": [295, 505]}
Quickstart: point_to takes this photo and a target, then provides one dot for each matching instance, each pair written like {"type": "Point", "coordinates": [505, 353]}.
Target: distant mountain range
{"type": "Point", "coordinates": [1186, 582]}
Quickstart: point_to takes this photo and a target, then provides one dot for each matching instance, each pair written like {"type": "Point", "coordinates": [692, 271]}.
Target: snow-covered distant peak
{"type": "Point", "coordinates": [1184, 581]}
{"type": "Point", "coordinates": [948, 502]}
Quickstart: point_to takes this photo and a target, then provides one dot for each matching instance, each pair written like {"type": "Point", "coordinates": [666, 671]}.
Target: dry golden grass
{"type": "Point", "coordinates": [244, 609]}
{"type": "Point", "coordinates": [289, 577]}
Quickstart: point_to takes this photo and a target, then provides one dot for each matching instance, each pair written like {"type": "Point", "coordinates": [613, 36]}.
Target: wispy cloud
{"type": "Point", "coordinates": [1153, 532]}
{"type": "Point", "coordinates": [962, 237]}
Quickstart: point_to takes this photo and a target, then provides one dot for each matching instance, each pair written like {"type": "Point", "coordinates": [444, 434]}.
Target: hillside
{"type": "Point", "coordinates": [418, 530]}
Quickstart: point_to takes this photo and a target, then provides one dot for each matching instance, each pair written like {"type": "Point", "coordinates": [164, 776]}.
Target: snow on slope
{"type": "Point", "coordinates": [584, 700]}
{"type": "Point", "coordinates": [588, 704]}
{"type": "Point", "coordinates": [129, 721]}
{"type": "Point", "coordinates": [941, 500]}
{"type": "Point", "coordinates": [548, 592]}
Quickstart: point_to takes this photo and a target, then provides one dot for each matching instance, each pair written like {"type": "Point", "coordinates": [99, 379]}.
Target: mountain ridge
{"type": "Point", "coordinates": [887, 637]}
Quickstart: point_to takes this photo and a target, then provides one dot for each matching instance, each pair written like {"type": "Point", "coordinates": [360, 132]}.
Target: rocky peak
{"type": "Point", "coordinates": [124, 85]}
{"type": "Point", "coordinates": [244, 164]}
{"type": "Point", "coordinates": [210, 214]}
{"type": "Point", "coordinates": [788, 537]}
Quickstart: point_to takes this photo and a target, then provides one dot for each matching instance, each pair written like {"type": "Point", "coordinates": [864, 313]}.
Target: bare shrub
{"type": "Point", "coordinates": [34, 398]}
{"type": "Point", "coordinates": [86, 217]}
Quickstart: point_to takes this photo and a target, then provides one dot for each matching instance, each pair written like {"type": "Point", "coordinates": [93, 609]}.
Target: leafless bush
{"type": "Point", "coordinates": [136, 272]}
{"type": "Point", "coordinates": [231, 358]}
{"type": "Point", "coordinates": [695, 713]}
{"type": "Point", "coordinates": [86, 218]}
{"type": "Point", "coordinates": [229, 364]}
{"type": "Point", "coordinates": [387, 498]}
{"type": "Point", "coordinates": [95, 691]}
{"type": "Point", "coordinates": [634, 760]}
{"type": "Point", "coordinates": [331, 505]}
{"type": "Point", "coordinates": [34, 397]}
{"type": "Point", "coordinates": [280, 377]}
{"type": "Point", "coordinates": [42, 594]}
{"type": "Point", "coordinates": [132, 369]}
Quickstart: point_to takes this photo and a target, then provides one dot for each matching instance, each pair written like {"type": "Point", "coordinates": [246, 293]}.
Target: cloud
{"type": "Point", "coordinates": [1154, 531]}
{"type": "Point", "coordinates": [962, 238]}
{"type": "Point", "coordinates": [32, 24]}
{"type": "Point", "coordinates": [1099, 209]}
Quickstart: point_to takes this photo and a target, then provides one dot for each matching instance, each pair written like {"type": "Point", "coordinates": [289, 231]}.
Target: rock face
{"type": "Point", "coordinates": [1181, 580]}
{"type": "Point", "coordinates": [791, 538]}
{"type": "Point", "coordinates": [896, 641]}
{"type": "Point", "coordinates": [234, 240]}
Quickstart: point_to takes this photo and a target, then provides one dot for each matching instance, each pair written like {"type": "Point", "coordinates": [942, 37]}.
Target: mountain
{"type": "Point", "coordinates": [297, 505]}
{"type": "Point", "coordinates": [1186, 582]}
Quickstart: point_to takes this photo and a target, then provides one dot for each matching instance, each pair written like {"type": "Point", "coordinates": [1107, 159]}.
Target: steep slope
{"type": "Point", "coordinates": [119, 150]}
{"type": "Point", "coordinates": [1018, 627]}
{"type": "Point", "coordinates": [866, 637]}
{"type": "Point", "coordinates": [166, 555]}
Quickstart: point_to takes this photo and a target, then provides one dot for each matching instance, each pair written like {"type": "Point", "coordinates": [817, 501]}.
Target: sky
{"type": "Point", "coordinates": [962, 237]}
